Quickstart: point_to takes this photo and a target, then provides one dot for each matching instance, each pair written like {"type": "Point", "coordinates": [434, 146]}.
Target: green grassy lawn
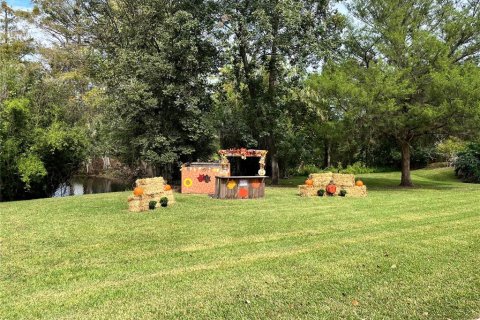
{"type": "Point", "coordinates": [398, 254]}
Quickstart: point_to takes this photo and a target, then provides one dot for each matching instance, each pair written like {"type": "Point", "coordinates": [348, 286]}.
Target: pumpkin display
{"type": "Point", "coordinates": [138, 191]}
{"type": "Point", "coordinates": [359, 183]}
{"type": "Point", "coordinates": [309, 182]}
{"type": "Point", "coordinates": [167, 187]}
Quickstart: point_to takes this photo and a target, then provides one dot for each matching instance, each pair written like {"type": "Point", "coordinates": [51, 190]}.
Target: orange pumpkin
{"type": "Point", "coordinates": [167, 187]}
{"type": "Point", "coordinates": [309, 182]}
{"type": "Point", "coordinates": [359, 183]}
{"type": "Point", "coordinates": [138, 191]}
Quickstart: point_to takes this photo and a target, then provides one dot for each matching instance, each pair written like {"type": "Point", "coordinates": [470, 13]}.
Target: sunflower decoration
{"type": "Point", "coordinates": [231, 184]}
{"type": "Point", "coordinates": [188, 182]}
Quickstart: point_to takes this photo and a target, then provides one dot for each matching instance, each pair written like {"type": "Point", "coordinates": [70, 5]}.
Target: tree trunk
{"type": "Point", "coordinates": [406, 178]}
{"type": "Point", "coordinates": [5, 26]}
{"type": "Point", "coordinates": [275, 169]}
{"type": "Point", "coordinates": [327, 155]}
{"type": "Point", "coordinates": [1, 197]}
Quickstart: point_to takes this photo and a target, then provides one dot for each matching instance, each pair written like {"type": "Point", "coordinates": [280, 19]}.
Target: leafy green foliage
{"type": "Point", "coordinates": [164, 201]}
{"type": "Point", "coordinates": [41, 144]}
{"type": "Point", "coordinates": [467, 164]}
{"type": "Point", "coordinates": [155, 68]}
{"type": "Point", "coordinates": [152, 205]}
{"type": "Point", "coordinates": [411, 71]}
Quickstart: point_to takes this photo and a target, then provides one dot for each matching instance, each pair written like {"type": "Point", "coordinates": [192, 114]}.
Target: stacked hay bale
{"type": "Point", "coordinates": [342, 181]}
{"type": "Point", "coordinates": [153, 190]}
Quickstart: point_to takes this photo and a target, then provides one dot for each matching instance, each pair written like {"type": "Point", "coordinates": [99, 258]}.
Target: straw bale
{"type": "Point", "coordinates": [355, 192]}
{"type": "Point", "coordinates": [307, 191]}
{"type": "Point", "coordinates": [135, 204]}
{"type": "Point", "coordinates": [320, 180]}
{"type": "Point", "coordinates": [153, 190]}
{"type": "Point", "coordinates": [151, 185]}
{"type": "Point", "coordinates": [344, 180]}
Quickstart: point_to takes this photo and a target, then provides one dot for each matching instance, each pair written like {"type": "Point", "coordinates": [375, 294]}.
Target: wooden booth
{"type": "Point", "coordinates": [243, 183]}
{"type": "Point", "coordinates": [199, 177]}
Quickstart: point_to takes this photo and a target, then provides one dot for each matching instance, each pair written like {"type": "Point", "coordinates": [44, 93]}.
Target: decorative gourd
{"type": "Point", "coordinates": [359, 183]}
{"type": "Point", "coordinates": [138, 191]}
{"type": "Point", "coordinates": [309, 182]}
{"type": "Point", "coordinates": [167, 187]}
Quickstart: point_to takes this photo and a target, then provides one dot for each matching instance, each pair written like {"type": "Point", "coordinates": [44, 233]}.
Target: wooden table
{"type": "Point", "coordinates": [240, 187]}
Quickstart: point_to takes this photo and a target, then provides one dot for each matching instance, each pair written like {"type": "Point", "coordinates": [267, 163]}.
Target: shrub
{"type": "Point", "coordinates": [357, 168]}
{"type": "Point", "coordinates": [164, 202]}
{"type": "Point", "coordinates": [308, 169]}
{"type": "Point", "coordinates": [467, 164]}
{"type": "Point", "coordinates": [152, 205]}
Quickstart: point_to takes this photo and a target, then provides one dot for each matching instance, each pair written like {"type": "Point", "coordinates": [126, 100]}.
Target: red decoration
{"type": "Point", "coordinates": [201, 177]}
{"type": "Point", "coordinates": [331, 189]}
{"type": "Point", "coordinates": [243, 193]}
{"type": "Point", "coordinates": [255, 184]}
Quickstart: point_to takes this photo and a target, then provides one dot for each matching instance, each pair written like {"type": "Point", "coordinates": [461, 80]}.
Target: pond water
{"type": "Point", "coordinates": [80, 185]}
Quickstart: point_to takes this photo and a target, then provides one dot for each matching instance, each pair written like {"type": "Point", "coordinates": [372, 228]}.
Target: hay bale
{"type": "Point", "coordinates": [355, 192]}
{"type": "Point", "coordinates": [135, 204]}
{"type": "Point", "coordinates": [153, 190]}
{"type": "Point", "coordinates": [320, 180]}
{"type": "Point", "coordinates": [151, 186]}
{"type": "Point", "coordinates": [343, 180]}
{"type": "Point", "coordinates": [307, 191]}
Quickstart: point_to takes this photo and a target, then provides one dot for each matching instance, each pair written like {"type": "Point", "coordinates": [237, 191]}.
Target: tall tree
{"type": "Point", "coordinates": [416, 64]}
{"type": "Point", "coordinates": [40, 143]}
{"type": "Point", "coordinates": [268, 46]}
{"type": "Point", "coordinates": [154, 57]}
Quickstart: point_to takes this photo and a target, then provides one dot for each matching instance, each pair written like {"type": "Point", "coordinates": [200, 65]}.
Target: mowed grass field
{"type": "Point", "coordinates": [398, 254]}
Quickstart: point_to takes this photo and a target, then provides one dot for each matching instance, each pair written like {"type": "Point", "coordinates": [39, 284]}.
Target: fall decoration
{"type": "Point", "coordinates": [359, 183]}
{"type": "Point", "coordinates": [309, 182]}
{"type": "Point", "coordinates": [138, 191]}
{"type": "Point", "coordinates": [164, 202]}
{"type": "Point", "coordinates": [152, 204]}
{"type": "Point", "coordinates": [188, 182]}
{"type": "Point", "coordinates": [255, 184]}
{"type": "Point", "coordinates": [341, 181]}
{"type": "Point", "coordinates": [231, 184]}
{"type": "Point", "coordinates": [153, 189]}
{"type": "Point", "coordinates": [243, 193]}
{"type": "Point", "coordinates": [331, 189]}
{"type": "Point", "coordinates": [167, 187]}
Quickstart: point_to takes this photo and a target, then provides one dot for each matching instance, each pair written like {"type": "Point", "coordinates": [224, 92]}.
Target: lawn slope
{"type": "Point", "coordinates": [398, 254]}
